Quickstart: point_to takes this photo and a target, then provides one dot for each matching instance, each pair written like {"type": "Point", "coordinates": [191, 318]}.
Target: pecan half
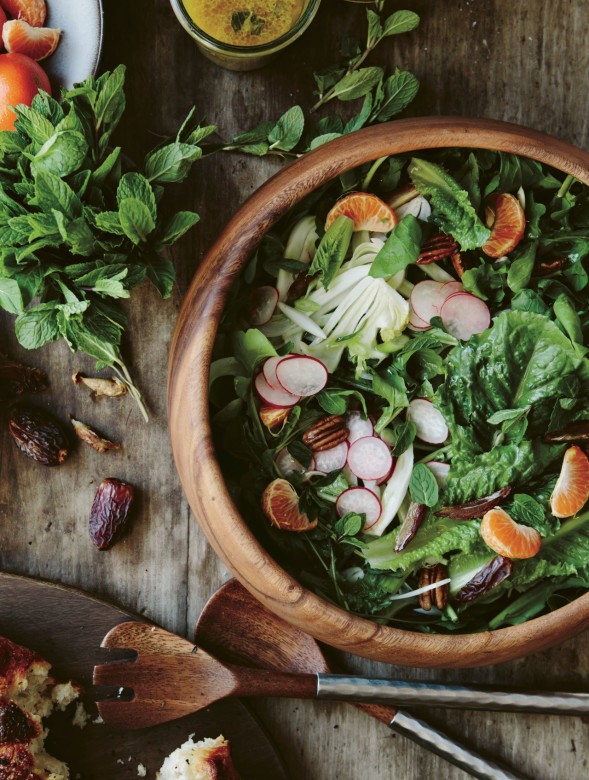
{"type": "Point", "coordinates": [437, 597]}
{"type": "Point", "coordinates": [437, 248]}
{"type": "Point", "coordinates": [326, 433]}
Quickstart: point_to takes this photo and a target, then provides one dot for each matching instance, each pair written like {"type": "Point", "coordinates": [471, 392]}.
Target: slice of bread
{"type": "Point", "coordinates": [28, 694]}
{"type": "Point", "coordinates": [209, 759]}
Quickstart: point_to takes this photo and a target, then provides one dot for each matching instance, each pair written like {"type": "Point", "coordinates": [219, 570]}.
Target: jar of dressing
{"type": "Point", "coordinates": [240, 35]}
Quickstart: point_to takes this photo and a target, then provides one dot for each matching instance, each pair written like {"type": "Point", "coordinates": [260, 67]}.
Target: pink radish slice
{"type": "Point", "coordinates": [416, 322]}
{"type": "Point", "coordinates": [263, 302]}
{"type": "Point", "coordinates": [431, 426]}
{"type": "Point", "coordinates": [358, 426]}
{"type": "Point", "coordinates": [464, 315]}
{"type": "Point", "coordinates": [287, 464]}
{"type": "Point", "coordinates": [269, 371]}
{"type": "Point", "coordinates": [389, 475]}
{"type": "Point", "coordinates": [450, 288]}
{"type": "Point", "coordinates": [301, 375]}
{"type": "Point", "coordinates": [440, 471]}
{"type": "Point", "coordinates": [427, 299]}
{"type": "Point", "coordinates": [361, 501]}
{"type": "Point", "coordinates": [272, 396]}
{"type": "Point", "coordinates": [333, 459]}
{"type": "Point", "coordinates": [370, 458]}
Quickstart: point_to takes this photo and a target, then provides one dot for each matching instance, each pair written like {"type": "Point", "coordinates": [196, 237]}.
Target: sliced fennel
{"type": "Point", "coordinates": [301, 247]}
{"type": "Point", "coordinates": [394, 493]}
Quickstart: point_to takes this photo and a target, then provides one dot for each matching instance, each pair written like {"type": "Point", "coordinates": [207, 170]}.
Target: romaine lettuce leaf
{"type": "Point", "coordinates": [452, 209]}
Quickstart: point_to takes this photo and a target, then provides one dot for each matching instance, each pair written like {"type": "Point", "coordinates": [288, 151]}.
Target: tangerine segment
{"type": "Point", "coordinates": [508, 538]}
{"type": "Point", "coordinates": [367, 211]}
{"type": "Point", "coordinates": [36, 42]}
{"type": "Point", "coordinates": [32, 11]}
{"type": "Point", "coordinates": [508, 224]}
{"type": "Point", "coordinates": [20, 80]}
{"type": "Point", "coordinates": [571, 491]}
{"type": "Point", "coordinates": [280, 503]}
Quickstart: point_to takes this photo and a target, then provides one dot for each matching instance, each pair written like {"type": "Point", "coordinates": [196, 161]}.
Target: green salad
{"type": "Point", "coordinates": [399, 390]}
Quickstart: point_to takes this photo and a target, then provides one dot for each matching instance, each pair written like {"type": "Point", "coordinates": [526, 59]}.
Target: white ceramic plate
{"type": "Point", "coordinates": [78, 53]}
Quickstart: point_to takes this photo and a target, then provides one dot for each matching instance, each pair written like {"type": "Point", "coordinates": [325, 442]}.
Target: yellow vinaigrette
{"type": "Point", "coordinates": [245, 22]}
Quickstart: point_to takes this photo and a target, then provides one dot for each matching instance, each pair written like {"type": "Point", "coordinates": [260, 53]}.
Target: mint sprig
{"type": "Point", "coordinates": [80, 226]}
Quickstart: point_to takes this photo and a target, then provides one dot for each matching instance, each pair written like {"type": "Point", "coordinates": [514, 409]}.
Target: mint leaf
{"type": "Point", "coordinates": [51, 192]}
{"type": "Point", "coordinates": [251, 347]}
{"type": "Point", "coordinates": [332, 250]}
{"type": "Point", "coordinates": [110, 222]}
{"type": "Point", "coordinates": [288, 130]}
{"type": "Point", "coordinates": [161, 273]}
{"type": "Point", "coordinates": [37, 326]}
{"type": "Point", "coordinates": [179, 224]}
{"type": "Point", "coordinates": [357, 84]}
{"type": "Point", "coordinates": [423, 486]}
{"type": "Point", "coordinates": [401, 249]}
{"type": "Point", "coordinates": [62, 154]}
{"type": "Point", "coordinates": [136, 219]}
{"type": "Point", "coordinates": [10, 296]}
{"type": "Point", "coordinates": [400, 22]}
{"type": "Point", "coordinates": [134, 185]}
{"type": "Point", "coordinates": [171, 163]}
{"type": "Point", "coordinates": [397, 92]}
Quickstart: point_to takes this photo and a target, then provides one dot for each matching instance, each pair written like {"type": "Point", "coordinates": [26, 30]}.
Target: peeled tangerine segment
{"type": "Point", "coordinates": [367, 211]}
{"type": "Point", "coordinates": [358, 426]}
{"type": "Point", "coordinates": [370, 458]}
{"type": "Point", "coordinates": [508, 538]}
{"type": "Point", "coordinates": [571, 491]}
{"type": "Point", "coordinates": [301, 375]}
{"type": "Point", "coordinates": [280, 504]}
{"type": "Point", "coordinates": [430, 424]}
{"type": "Point", "coordinates": [272, 396]}
{"type": "Point", "coordinates": [508, 225]}
{"type": "Point", "coordinates": [333, 459]}
{"type": "Point", "coordinates": [463, 315]}
{"type": "Point", "coordinates": [361, 501]}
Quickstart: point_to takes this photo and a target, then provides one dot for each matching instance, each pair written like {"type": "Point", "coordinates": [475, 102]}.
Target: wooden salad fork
{"type": "Point", "coordinates": [171, 677]}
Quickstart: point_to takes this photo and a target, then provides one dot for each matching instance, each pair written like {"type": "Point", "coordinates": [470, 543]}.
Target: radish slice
{"type": "Point", "coordinates": [263, 302]}
{"type": "Point", "coordinates": [301, 375]}
{"type": "Point", "coordinates": [416, 322]}
{"type": "Point", "coordinates": [431, 426]}
{"type": "Point", "coordinates": [450, 288]}
{"type": "Point", "coordinates": [333, 459]}
{"type": "Point", "coordinates": [272, 396]}
{"type": "Point", "coordinates": [464, 315]}
{"type": "Point", "coordinates": [389, 475]}
{"type": "Point", "coordinates": [269, 371]}
{"type": "Point", "coordinates": [370, 458]}
{"type": "Point", "coordinates": [358, 426]}
{"type": "Point", "coordinates": [427, 299]}
{"type": "Point", "coordinates": [361, 501]}
{"type": "Point", "coordinates": [440, 471]}
{"type": "Point", "coordinates": [286, 464]}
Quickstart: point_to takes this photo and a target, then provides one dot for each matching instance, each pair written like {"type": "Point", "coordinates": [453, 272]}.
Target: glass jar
{"type": "Point", "coordinates": [243, 57]}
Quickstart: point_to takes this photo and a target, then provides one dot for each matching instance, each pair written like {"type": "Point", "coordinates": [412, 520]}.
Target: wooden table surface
{"type": "Point", "coordinates": [516, 60]}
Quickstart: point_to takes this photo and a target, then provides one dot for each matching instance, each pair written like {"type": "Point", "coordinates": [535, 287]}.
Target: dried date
{"type": "Point", "coordinates": [488, 577]}
{"type": "Point", "coordinates": [476, 508]}
{"type": "Point", "coordinates": [110, 512]}
{"type": "Point", "coordinates": [16, 379]}
{"type": "Point", "coordinates": [410, 525]}
{"type": "Point", "coordinates": [38, 434]}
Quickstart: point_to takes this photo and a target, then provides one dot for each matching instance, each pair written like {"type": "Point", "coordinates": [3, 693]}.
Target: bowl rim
{"type": "Point", "coordinates": [188, 414]}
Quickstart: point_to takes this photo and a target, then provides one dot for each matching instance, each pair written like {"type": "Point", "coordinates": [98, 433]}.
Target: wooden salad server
{"type": "Point", "coordinates": [236, 628]}
{"type": "Point", "coordinates": [171, 677]}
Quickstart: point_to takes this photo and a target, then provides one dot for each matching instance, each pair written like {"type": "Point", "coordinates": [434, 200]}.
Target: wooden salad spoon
{"type": "Point", "coordinates": [238, 629]}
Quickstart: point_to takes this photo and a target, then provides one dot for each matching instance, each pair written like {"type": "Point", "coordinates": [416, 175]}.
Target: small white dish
{"type": "Point", "coordinates": [78, 53]}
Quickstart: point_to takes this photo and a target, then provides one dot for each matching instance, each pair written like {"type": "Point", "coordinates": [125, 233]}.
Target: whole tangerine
{"type": "Point", "coordinates": [20, 80]}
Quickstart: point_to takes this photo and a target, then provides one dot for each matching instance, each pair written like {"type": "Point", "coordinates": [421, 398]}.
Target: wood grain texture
{"type": "Point", "coordinates": [67, 627]}
{"type": "Point", "coordinates": [517, 61]}
{"type": "Point", "coordinates": [188, 407]}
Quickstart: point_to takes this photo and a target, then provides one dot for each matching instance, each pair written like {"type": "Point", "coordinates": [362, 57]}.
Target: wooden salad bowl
{"type": "Point", "coordinates": [188, 401]}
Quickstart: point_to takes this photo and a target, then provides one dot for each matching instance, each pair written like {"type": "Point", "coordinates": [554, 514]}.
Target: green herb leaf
{"type": "Point", "coordinates": [288, 131]}
{"type": "Point", "coordinates": [401, 249]}
{"type": "Point", "coordinates": [423, 486]}
{"type": "Point", "coordinates": [171, 163]}
{"type": "Point", "coordinates": [404, 436]}
{"type": "Point", "coordinates": [37, 326]}
{"type": "Point", "coordinates": [179, 224]}
{"type": "Point", "coordinates": [348, 525]}
{"type": "Point", "coordinates": [10, 296]}
{"type": "Point", "coordinates": [332, 250]}
{"type": "Point", "coordinates": [400, 22]}
{"type": "Point", "coordinates": [398, 92]}
{"type": "Point", "coordinates": [136, 220]}
{"type": "Point", "coordinates": [357, 84]}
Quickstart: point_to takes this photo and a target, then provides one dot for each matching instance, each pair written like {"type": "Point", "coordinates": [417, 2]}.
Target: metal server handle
{"type": "Point", "coordinates": [440, 744]}
{"type": "Point", "coordinates": [406, 693]}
